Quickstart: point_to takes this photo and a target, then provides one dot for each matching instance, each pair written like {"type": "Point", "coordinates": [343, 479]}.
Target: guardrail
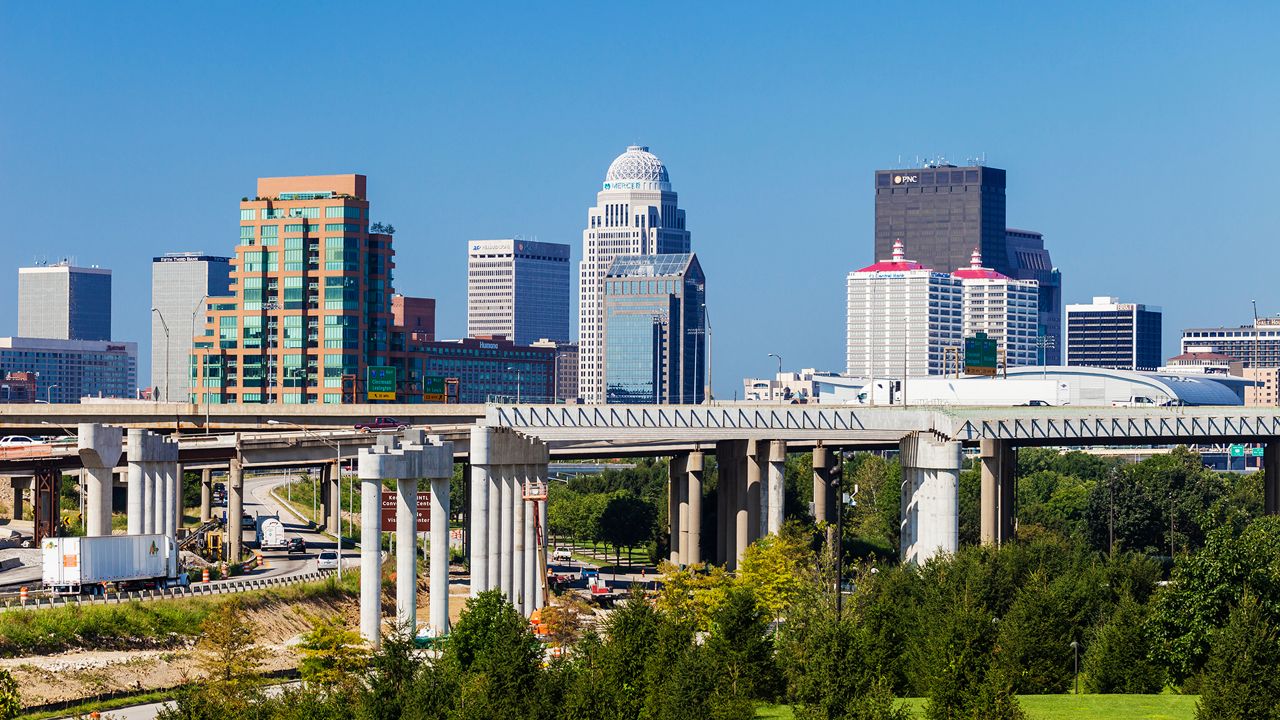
{"type": "Point", "coordinates": [10, 601]}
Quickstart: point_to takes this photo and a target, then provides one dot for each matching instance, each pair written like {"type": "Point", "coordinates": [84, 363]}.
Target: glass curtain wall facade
{"type": "Point", "coordinates": [310, 305]}
{"type": "Point", "coordinates": [655, 330]}
{"type": "Point", "coordinates": [63, 302]}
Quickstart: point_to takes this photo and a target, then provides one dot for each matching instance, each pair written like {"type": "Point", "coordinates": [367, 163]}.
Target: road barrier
{"type": "Point", "coordinates": [219, 587]}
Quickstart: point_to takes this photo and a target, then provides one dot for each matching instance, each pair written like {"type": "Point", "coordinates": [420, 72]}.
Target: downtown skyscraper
{"type": "Point", "coordinates": [518, 289]}
{"type": "Point", "coordinates": [636, 213]}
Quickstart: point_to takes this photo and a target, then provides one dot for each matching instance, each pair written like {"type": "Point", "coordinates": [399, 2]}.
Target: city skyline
{"type": "Point", "coordinates": [1106, 173]}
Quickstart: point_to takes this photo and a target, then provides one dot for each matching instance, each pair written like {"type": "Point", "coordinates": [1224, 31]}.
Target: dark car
{"type": "Point", "coordinates": [297, 545]}
{"type": "Point", "coordinates": [381, 423]}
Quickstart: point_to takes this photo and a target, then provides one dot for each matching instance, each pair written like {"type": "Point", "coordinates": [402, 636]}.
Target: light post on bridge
{"type": "Point", "coordinates": [49, 393]}
{"type": "Point", "coordinates": [164, 325]}
{"type": "Point", "coordinates": [337, 446]}
{"type": "Point", "coordinates": [517, 372]}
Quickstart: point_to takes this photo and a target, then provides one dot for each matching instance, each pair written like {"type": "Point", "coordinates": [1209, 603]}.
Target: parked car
{"type": "Point", "coordinates": [381, 423]}
{"type": "Point", "coordinates": [1036, 403]}
{"type": "Point", "coordinates": [562, 555]}
{"type": "Point", "coordinates": [327, 560]}
{"type": "Point", "coordinates": [297, 545]}
{"type": "Point", "coordinates": [14, 440]}
{"type": "Point", "coordinates": [248, 521]}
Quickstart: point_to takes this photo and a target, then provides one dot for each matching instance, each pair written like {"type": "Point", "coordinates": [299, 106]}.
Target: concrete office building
{"type": "Point", "coordinates": [566, 369]}
{"type": "Point", "coordinates": [903, 318]}
{"type": "Point", "coordinates": [182, 285]}
{"type": "Point", "coordinates": [63, 302]}
{"type": "Point", "coordinates": [415, 316]}
{"type": "Point", "coordinates": [1007, 310]}
{"type": "Point", "coordinates": [1110, 334]}
{"type": "Point", "coordinates": [67, 370]}
{"type": "Point", "coordinates": [518, 289]}
{"type": "Point", "coordinates": [311, 298]}
{"type": "Point", "coordinates": [1030, 261]}
{"type": "Point", "coordinates": [636, 213]}
{"type": "Point", "coordinates": [1255, 345]}
{"type": "Point", "coordinates": [655, 327]}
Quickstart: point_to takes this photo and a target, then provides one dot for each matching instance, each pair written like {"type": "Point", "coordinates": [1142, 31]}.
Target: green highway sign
{"type": "Point", "coordinates": [980, 355]}
{"type": "Point", "coordinates": [1236, 451]}
{"type": "Point", "coordinates": [1256, 452]}
{"type": "Point", "coordinates": [433, 389]}
{"type": "Point", "coordinates": [381, 382]}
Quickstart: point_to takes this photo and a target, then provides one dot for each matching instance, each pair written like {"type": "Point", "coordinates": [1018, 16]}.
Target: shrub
{"type": "Point", "coordinates": [1116, 660]}
{"type": "Point", "coordinates": [1240, 680]}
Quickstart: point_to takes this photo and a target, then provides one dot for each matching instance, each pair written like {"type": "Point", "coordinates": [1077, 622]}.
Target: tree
{"type": "Point", "coordinates": [390, 680]}
{"type": "Point", "coordinates": [1033, 649]}
{"type": "Point", "coordinates": [741, 648]}
{"type": "Point", "coordinates": [688, 595]}
{"type": "Point", "coordinates": [227, 654]}
{"type": "Point", "coordinates": [1240, 680]}
{"type": "Point", "coordinates": [775, 569]}
{"type": "Point", "coordinates": [562, 620]}
{"type": "Point", "coordinates": [496, 657]}
{"type": "Point", "coordinates": [10, 699]}
{"type": "Point", "coordinates": [332, 655]}
{"type": "Point", "coordinates": [626, 521]}
{"type": "Point", "coordinates": [1116, 660]}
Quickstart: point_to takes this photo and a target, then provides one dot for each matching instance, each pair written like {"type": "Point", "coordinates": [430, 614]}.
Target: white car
{"type": "Point", "coordinates": [327, 560]}
{"type": "Point", "coordinates": [14, 440]}
{"type": "Point", "coordinates": [562, 555]}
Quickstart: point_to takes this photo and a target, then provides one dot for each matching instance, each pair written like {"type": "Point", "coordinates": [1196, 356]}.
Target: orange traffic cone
{"type": "Point", "coordinates": [206, 574]}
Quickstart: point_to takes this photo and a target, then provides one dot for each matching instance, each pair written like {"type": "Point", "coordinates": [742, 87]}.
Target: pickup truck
{"type": "Point", "coordinates": [381, 423]}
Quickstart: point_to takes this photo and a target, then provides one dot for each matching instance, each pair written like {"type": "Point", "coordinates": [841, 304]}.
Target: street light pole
{"type": "Point", "coordinates": [517, 372]}
{"type": "Point", "coordinates": [165, 325]}
{"type": "Point", "coordinates": [706, 317]}
{"type": "Point", "coordinates": [202, 304]}
{"type": "Point", "coordinates": [49, 393]}
{"type": "Point", "coordinates": [1075, 647]}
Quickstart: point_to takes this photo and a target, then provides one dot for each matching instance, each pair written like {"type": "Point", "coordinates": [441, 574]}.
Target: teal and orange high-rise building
{"type": "Point", "coordinates": [310, 310]}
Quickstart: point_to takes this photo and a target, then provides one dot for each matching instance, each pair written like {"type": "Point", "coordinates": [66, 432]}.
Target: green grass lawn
{"type": "Point", "coordinates": [1061, 707]}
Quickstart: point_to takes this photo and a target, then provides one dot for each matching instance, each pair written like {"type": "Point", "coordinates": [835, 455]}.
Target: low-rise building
{"type": "Point", "coordinates": [786, 387]}
{"type": "Point", "coordinates": [488, 369]}
{"type": "Point", "coordinates": [67, 370]}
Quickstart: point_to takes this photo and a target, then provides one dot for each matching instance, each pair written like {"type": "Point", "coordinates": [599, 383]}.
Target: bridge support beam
{"type": "Point", "coordinates": [691, 550]}
{"type": "Point", "coordinates": [999, 463]}
{"type": "Point", "coordinates": [235, 507]}
{"type": "Point", "coordinates": [506, 538]}
{"type": "Point", "coordinates": [677, 507]}
{"type": "Point", "coordinates": [517, 532]}
{"type": "Point", "coordinates": [821, 484]}
{"type": "Point", "coordinates": [731, 458]}
{"type": "Point", "coordinates": [494, 571]}
{"type": "Point", "coordinates": [777, 485]}
{"type": "Point", "coordinates": [478, 515]}
{"type": "Point", "coordinates": [757, 495]}
{"type": "Point", "coordinates": [406, 461]}
{"type": "Point", "coordinates": [1271, 477]}
{"type": "Point", "coordinates": [930, 496]}
{"type": "Point", "coordinates": [438, 600]}
{"type": "Point", "coordinates": [206, 495]}
{"type": "Point", "coordinates": [100, 448]}
{"type": "Point", "coordinates": [333, 518]}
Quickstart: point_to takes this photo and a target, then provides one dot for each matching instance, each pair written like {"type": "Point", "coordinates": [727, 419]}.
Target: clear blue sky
{"type": "Point", "coordinates": [1136, 136]}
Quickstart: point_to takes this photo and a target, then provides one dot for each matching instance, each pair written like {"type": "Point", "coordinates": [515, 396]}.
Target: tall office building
{"type": "Point", "coordinates": [655, 329]}
{"type": "Point", "coordinates": [1007, 310]}
{"type": "Point", "coordinates": [310, 309]}
{"type": "Point", "coordinates": [518, 289]}
{"type": "Point", "coordinates": [63, 302]}
{"type": "Point", "coordinates": [1110, 334]}
{"type": "Point", "coordinates": [903, 318]}
{"type": "Point", "coordinates": [182, 285]}
{"type": "Point", "coordinates": [1030, 261]}
{"type": "Point", "coordinates": [636, 213]}
{"type": "Point", "coordinates": [942, 212]}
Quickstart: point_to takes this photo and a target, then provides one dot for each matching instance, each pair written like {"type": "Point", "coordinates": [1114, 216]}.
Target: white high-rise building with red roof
{"type": "Point", "coordinates": [902, 318]}
{"type": "Point", "coordinates": [1007, 310]}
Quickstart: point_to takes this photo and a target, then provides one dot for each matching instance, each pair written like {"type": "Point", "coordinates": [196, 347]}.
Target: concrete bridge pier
{"type": "Point", "coordinates": [407, 552]}
{"type": "Point", "coordinates": [999, 463]}
{"type": "Point", "coordinates": [478, 516]}
{"type": "Point", "coordinates": [100, 449]}
{"type": "Point", "coordinates": [777, 485]}
{"type": "Point", "coordinates": [691, 545]}
{"type": "Point", "coordinates": [521, 477]}
{"type": "Point", "coordinates": [732, 460]}
{"type": "Point", "coordinates": [1271, 477]}
{"type": "Point", "coordinates": [506, 525]}
{"type": "Point", "coordinates": [333, 512]}
{"type": "Point", "coordinates": [500, 454]}
{"type": "Point", "coordinates": [757, 495]}
{"type": "Point", "coordinates": [235, 507]}
{"type": "Point", "coordinates": [438, 602]}
{"type": "Point", "coordinates": [821, 484]}
{"type": "Point", "coordinates": [532, 583]}
{"type": "Point", "coordinates": [930, 496]}
{"type": "Point", "coordinates": [206, 495]}
{"type": "Point", "coordinates": [677, 507]}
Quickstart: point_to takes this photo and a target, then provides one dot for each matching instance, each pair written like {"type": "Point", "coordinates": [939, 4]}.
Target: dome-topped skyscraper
{"type": "Point", "coordinates": [636, 213]}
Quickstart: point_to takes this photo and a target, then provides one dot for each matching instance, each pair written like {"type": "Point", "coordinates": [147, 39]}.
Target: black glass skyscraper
{"type": "Point", "coordinates": [942, 213]}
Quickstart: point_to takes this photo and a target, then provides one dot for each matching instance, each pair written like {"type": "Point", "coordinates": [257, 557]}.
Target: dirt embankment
{"type": "Point", "coordinates": [88, 673]}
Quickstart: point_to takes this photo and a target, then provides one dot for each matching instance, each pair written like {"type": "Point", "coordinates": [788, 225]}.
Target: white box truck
{"type": "Point", "coordinates": [75, 565]}
{"type": "Point", "coordinates": [271, 533]}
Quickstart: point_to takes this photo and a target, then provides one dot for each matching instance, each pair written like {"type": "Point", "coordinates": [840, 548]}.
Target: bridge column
{"type": "Point", "coordinates": [691, 551]}
{"type": "Point", "coordinates": [677, 507]}
{"type": "Point", "coordinates": [531, 579]}
{"type": "Point", "coordinates": [235, 506]}
{"type": "Point", "coordinates": [438, 600]}
{"type": "Point", "coordinates": [206, 495]}
{"type": "Point", "coordinates": [371, 476]}
{"type": "Point", "coordinates": [499, 453]}
{"type": "Point", "coordinates": [334, 517]}
{"type": "Point", "coordinates": [148, 497]}
{"type": "Point", "coordinates": [777, 485]}
{"type": "Point", "coordinates": [930, 496]}
{"type": "Point", "coordinates": [998, 465]}
{"type": "Point", "coordinates": [99, 447]}
{"type": "Point", "coordinates": [1271, 477]}
{"type": "Point", "coordinates": [821, 483]}
{"type": "Point", "coordinates": [757, 461]}
{"type": "Point", "coordinates": [724, 472]}
{"type": "Point", "coordinates": [406, 552]}
{"type": "Point", "coordinates": [136, 490]}
{"type": "Point", "coordinates": [180, 477]}
{"type": "Point", "coordinates": [517, 531]}
{"type": "Point", "coordinates": [478, 515]}
{"type": "Point", "coordinates": [728, 454]}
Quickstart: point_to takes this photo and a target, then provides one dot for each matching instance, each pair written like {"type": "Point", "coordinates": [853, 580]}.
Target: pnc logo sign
{"type": "Point", "coordinates": [900, 179]}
